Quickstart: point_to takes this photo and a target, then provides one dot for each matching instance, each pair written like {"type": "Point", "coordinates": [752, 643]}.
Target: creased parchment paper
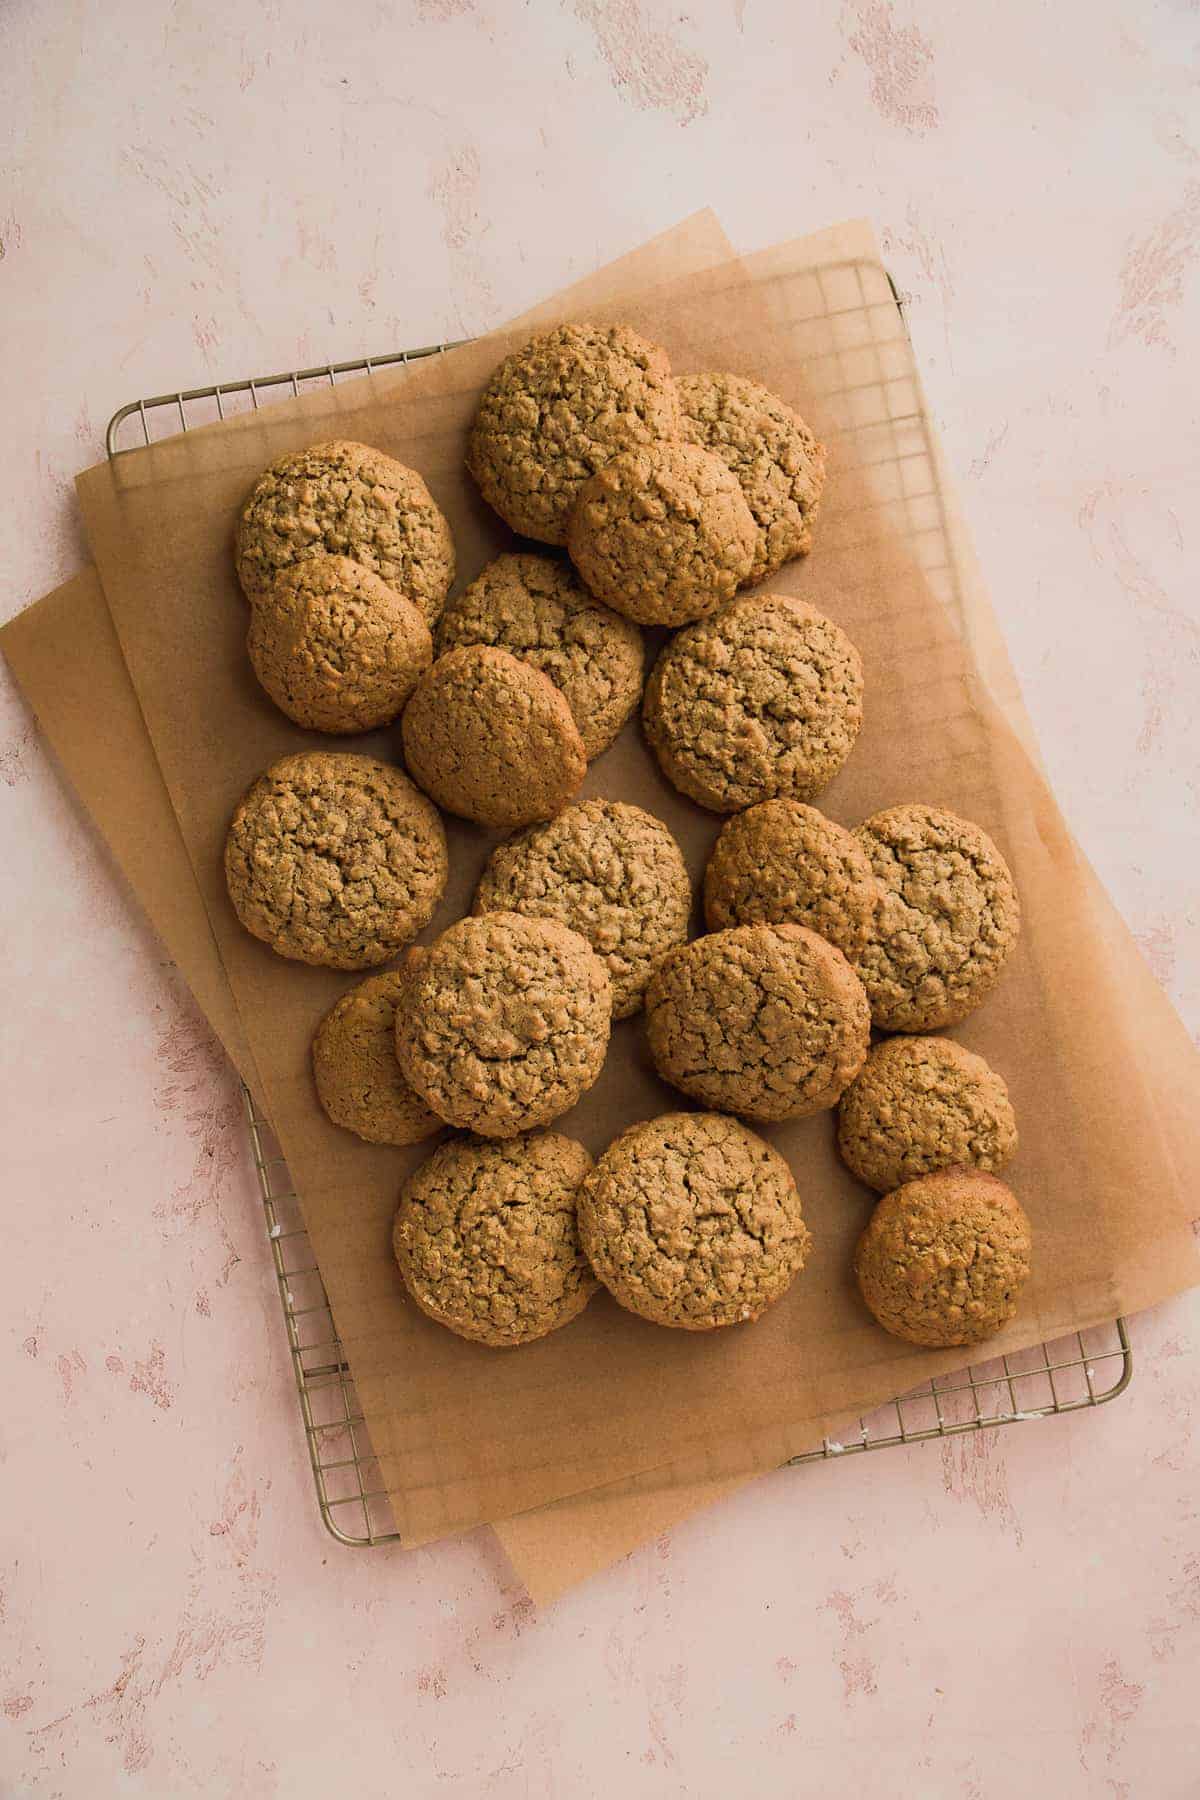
{"type": "Point", "coordinates": [1102, 1164]}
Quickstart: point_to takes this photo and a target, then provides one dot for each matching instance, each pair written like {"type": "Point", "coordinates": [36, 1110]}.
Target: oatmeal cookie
{"type": "Point", "coordinates": [947, 921]}
{"type": "Point", "coordinates": [537, 609]}
{"type": "Point", "coordinates": [784, 863]}
{"type": "Point", "coordinates": [504, 1023]}
{"type": "Point", "coordinates": [492, 739]}
{"type": "Point", "coordinates": [662, 533]}
{"type": "Point", "coordinates": [335, 859]}
{"type": "Point", "coordinates": [767, 1021]}
{"type": "Point", "coordinates": [920, 1104]}
{"type": "Point", "coordinates": [944, 1258]}
{"type": "Point", "coordinates": [692, 1221]}
{"type": "Point", "coordinates": [346, 499]}
{"type": "Point", "coordinates": [611, 872]}
{"type": "Point", "coordinates": [336, 648]}
{"type": "Point", "coordinates": [487, 1240]}
{"type": "Point", "coordinates": [775, 457]}
{"type": "Point", "coordinates": [354, 1064]}
{"type": "Point", "coordinates": [762, 700]}
{"type": "Point", "coordinates": [556, 410]}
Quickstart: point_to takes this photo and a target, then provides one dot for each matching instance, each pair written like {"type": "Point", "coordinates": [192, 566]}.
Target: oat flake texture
{"type": "Point", "coordinates": [504, 1023]}
{"type": "Point", "coordinates": [537, 609]}
{"type": "Point", "coordinates": [947, 922]}
{"type": "Point", "coordinates": [764, 699]}
{"type": "Point", "coordinates": [921, 1104]}
{"type": "Point", "coordinates": [944, 1258]}
{"type": "Point", "coordinates": [487, 1241]}
{"type": "Point", "coordinates": [609, 871]}
{"type": "Point", "coordinates": [556, 410]}
{"type": "Point", "coordinates": [766, 1021]}
{"type": "Point", "coordinates": [346, 499]}
{"type": "Point", "coordinates": [692, 1221]}
{"type": "Point", "coordinates": [335, 859]}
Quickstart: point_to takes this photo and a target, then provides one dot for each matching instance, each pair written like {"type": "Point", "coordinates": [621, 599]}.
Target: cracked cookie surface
{"type": "Point", "coordinates": [487, 1240]}
{"type": "Point", "coordinates": [537, 609]}
{"type": "Point", "coordinates": [346, 499]}
{"type": "Point", "coordinates": [492, 739]}
{"type": "Point", "coordinates": [504, 1023]}
{"type": "Point", "coordinates": [784, 863]}
{"type": "Point", "coordinates": [775, 457]}
{"type": "Point", "coordinates": [763, 700]}
{"type": "Point", "coordinates": [767, 1021]}
{"type": "Point", "coordinates": [556, 410]}
{"type": "Point", "coordinates": [948, 918]}
{"type": "Point", "coordinates": [358, 1079]}
{"type": "Point", "coordinates": [944, 1258]}
{"type": "Point", "coordinates": [609, 871]}
{"type": "Point", "coordinates": [921, 1104]}
{"type": "Point", "coordinates": [335, 859]}
{"type": "Point", "coordinates": [662, 533]}
{"type": "Point", "coordinates": [335, 647]}
{"type": "Point", "coordinates": [692, 1221]}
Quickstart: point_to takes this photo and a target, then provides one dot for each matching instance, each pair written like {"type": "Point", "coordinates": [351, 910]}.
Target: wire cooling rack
{"type": "Point", "coordinates": [850, 317]}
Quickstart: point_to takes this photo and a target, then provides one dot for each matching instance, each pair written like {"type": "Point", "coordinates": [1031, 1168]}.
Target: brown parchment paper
{"type": "Point", "coordinates": [610, 1397]}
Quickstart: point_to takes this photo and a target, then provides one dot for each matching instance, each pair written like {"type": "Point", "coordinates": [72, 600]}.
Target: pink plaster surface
{"type": "Point", "coordinates": [195, 190]}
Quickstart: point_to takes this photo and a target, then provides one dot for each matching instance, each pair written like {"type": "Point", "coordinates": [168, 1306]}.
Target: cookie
{"type": "Point", "coordinates": [609, 871]}
{"type": "Point", "coordinates": [537, 609]}
{"type": "Point", "coordinates": [487, 1241]}
{"type": "Point", "coordinates": [921, 1104]}
{"type": "Point", "coordinates": [662, 533]}
{"type": "Point", "coordinates": [767, 1021]}
{"type": "Point", "coordinates": [784, 863]}
{"type": "Point", "coordinates": [336, 648]}
{"type": "Point", "coordinates": [504, 1023]}
{"type": "Point", "coordinates": [947, 921]}
{"type": "Point", "coordinates": [556, 410]}
{"type": "Point", "coordinates": [345, 499]}
{"type": "Point", "coordinates": [354, 1064]}
{"type": "Point", "coordinates": [944, 1258]}
{"type": "Point", "coordinates": [762, 700]}
{"type": "Point", "coordinates": [335, 859]}
{"type": "Point", "coordinates": [775, 457]}
{"type": "Point", "coordinates": [492, 739]}
{"type": "Point", "coordinates": [692, 1221]}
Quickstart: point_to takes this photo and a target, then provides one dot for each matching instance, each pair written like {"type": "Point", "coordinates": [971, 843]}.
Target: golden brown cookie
{"type": "Point", "coordinates": [335, 859]}
{"type": "Point", "coordinates": [492, 739]}
{"type": "Point", "coordinates": [944, 1258]}
{"type": "Point", "coordinates": [537, 609]}
{"type": "Point", "coordinates": [487, 1240]}
{"type": "Point", "coordinates": [692, 1221]}
{"type": "Point", "coordinates": [662, 533]}
{"type": "Point", "coordinates": [763, 699]}
{"type": "Point", "coordinates": [947, 921]}
{"type": "Point", "coordinates": [354, 1064]}
{"type": "Point", "coordinates": [556, 410]}
{"type": "Point", "coordinates": [784, 863]}
{"type": "Point", "coordinates": [346, 499]}
{"type": "Point", "coordinates": [336, 648]}
{"type": "Point", "coordinates": [609, 871]}
{"type": "Point", "coordinates": [504, 1023]}
{"type": "Point", "coordinates": [767, 1021]}
{"type": "Point", "coordinates": [920, 1104]}
{"type": "Point", "coordinates": [777, 460]}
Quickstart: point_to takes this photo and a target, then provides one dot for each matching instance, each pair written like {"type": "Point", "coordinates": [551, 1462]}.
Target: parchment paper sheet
{"type": "Point", "coordinates": [1102, 1074]}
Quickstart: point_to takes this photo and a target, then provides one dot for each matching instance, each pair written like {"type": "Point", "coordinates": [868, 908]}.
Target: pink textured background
{"type": "Point", "coordinates": [195, 191]}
